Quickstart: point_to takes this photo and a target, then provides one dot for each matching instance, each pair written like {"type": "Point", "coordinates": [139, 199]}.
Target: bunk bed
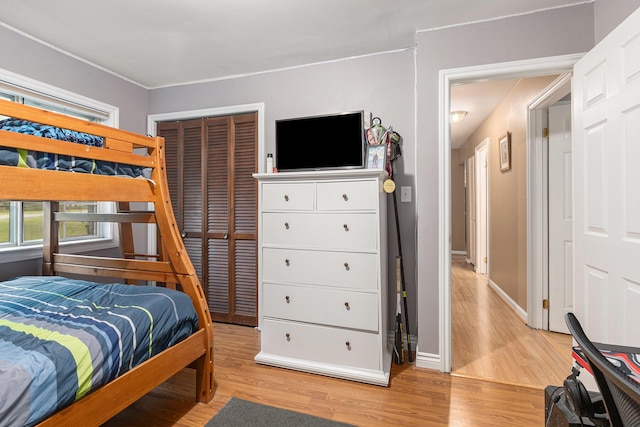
{"type": "Point", "coordinates": [49, 157]}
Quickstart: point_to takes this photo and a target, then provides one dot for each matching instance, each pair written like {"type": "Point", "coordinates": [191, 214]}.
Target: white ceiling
{"type": "Point", "coordinates": [158, 43]}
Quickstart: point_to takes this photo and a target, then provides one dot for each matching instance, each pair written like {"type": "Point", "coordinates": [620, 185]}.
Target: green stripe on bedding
{"type": "Point", "coordinates": [76, 347]}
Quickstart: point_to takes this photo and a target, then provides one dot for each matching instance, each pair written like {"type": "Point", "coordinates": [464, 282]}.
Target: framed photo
{"type": "Point", "coordinates": [376, 156]}
{"type": "Point", "coordinates": [504, 147]}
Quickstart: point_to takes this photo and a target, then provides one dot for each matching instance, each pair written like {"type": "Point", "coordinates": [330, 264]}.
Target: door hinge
{"type": "Point", "coordinates": [485, 260]}
{"type": "Point", "coordinates": [545, 132]}
{"type": "Point", "coordinates": [545, 304]}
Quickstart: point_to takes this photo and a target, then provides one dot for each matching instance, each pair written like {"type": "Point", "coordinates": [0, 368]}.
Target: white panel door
{"type": "Point", "coordinates": [606, 152]}
{"type": "Point", "coordinates": [560, 217]}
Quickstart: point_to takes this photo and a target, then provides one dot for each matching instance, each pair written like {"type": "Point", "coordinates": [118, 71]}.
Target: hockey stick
{"type": "Point", "coordinates": [404, 288]}
{"type": "Point", "coordinates": [398, 348]}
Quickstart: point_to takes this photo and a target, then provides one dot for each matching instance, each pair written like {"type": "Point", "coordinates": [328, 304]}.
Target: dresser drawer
{"type": "Point", "coordinates": [321, 344]}
{"type": "Point", "coordinates": [288, 196]}
{"type": "Point", "coordinates": [348, 195]}
{"type": "Point", "coordinates": [334, 307]}
{"type": "Point", "coordinates": [321, 230]}
{"type": "Point", "coordinates": [355, 270]}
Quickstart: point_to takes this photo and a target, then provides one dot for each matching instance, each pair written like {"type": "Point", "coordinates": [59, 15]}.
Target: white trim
{"type": "Point", "coordinates": [526, 68]}
{"type": "Point", "coordinates": [510, 302]}
{"type": "Point", "coordinates": [16, 84]}
{"type": "Point", "coordinates": [482, 198]}
{"type": "Point", "coordinates": [463, 253]}
{"type": "Point", "coordinates": [537, 201]}
{"type": "Point", "coordinates": [152, 119]}
{"type": "Point", "coordinates": [428, 360]}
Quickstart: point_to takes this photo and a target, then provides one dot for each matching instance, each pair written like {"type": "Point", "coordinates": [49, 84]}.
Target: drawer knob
{"type": "Point", "coordinates": [286, 225]}
{"type": "Point", "coordinates": [286, 261]}
{"type": "Point", "coordinates": [348, 344]}
{"type": "Point", "coordinates": [346, 305]}
{"type": "Point", "coordinates": [346, 266]}
{"type": "Point", "coordinates": [346, 227]}
{"type": "Point", "coordinates": [345, 197]}
{"type": "Point", "coordinates": [287, 299]}
{"type": "Point", "coordinates": [286, 197]}
{"type": "Point", "coordinates": [288, 336]}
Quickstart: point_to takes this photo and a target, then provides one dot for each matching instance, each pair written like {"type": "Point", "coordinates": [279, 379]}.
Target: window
{"type": "Point", "coordinates": [21, 222]}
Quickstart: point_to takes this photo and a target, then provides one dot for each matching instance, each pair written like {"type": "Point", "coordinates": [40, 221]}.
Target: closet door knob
{"type": "Point", "coordinates": [286, 225]}
{"type": "Point", "coordinates": [225, 236]}
{"type": "Point", "coordinates": [286, 197]}
{"type": "Point", "coordinates": [288, 336]}
{"type": "Point", "coordinates": [346, 305]}
{"type": "Point", "coordinates": [345, 197]}
{"type": "Point", "coordinates": [346, 227]}
{"type": "Point", "coordinates": [346, 266]}
{"type": "Point", "coordinates": [287, 299]}
{"type": "Point", "coordinates": [183, 234]}
{"type": "Point", "coordinates": [286, 261]}
{"type": "Point", "coordinates": [348, 344]}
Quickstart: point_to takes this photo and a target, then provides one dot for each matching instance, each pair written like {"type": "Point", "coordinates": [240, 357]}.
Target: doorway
{"type": "Point", "coordinates": [527, 68]}
{"type": "Point", "coordinates": [480, 314]}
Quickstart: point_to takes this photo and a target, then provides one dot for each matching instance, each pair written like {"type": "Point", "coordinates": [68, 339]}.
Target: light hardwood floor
{"type": "Point", "coordinates": [415, 397]}
{"type": "Point", "coordinates": [490, 341]}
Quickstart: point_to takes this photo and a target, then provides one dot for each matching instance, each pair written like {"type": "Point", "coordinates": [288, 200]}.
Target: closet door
{"type": "Point", "coordinates": [184, 151]}
{"type": "Point", "coordinates": [210, 163]}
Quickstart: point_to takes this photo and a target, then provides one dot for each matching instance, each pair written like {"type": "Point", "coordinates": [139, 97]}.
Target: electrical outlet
{"type": "Point", "coordinates": [405, 194]}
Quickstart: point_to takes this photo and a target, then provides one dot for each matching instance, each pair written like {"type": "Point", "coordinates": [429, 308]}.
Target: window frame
{"type": "Point", "coordinates": [36, 91]}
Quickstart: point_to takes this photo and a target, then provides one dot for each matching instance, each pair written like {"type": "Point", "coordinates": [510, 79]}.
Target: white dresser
{"type": "Point", "coordinates": [322, 296]}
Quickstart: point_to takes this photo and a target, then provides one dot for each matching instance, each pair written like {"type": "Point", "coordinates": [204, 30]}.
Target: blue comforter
{"type": "Point", "coordinates": [38, 160]}
{"type": "Point", "coordinates": [62, 338]}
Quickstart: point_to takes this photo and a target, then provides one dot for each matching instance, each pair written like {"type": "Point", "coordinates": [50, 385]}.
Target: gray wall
{"type": "Point", "coordinates": [610, 13]}
{"type": "Point", "coordinates": [382, 84]}
{"type": "Point", "coordinates": [550, 33]}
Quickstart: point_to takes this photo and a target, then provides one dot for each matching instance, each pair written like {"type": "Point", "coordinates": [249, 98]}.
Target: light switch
{"type": "Point", "coordinates": [405, 194]}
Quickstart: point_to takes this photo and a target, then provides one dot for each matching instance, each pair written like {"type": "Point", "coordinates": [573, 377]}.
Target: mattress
{"type": "Point", "coordinates": [62, 338]}
{"type": "Point", "coordinates": [39, 160]}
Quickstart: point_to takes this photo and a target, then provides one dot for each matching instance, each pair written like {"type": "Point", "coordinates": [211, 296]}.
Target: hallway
{"type": "Point", "coordinates": [490, 341]}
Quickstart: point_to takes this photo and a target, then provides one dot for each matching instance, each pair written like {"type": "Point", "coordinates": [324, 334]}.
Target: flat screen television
{"type": "Point", "coordinates": [330, 141]}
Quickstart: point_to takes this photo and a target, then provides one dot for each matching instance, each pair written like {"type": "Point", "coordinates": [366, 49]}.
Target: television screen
{"type": "Point", "coordinates": [332, 141]}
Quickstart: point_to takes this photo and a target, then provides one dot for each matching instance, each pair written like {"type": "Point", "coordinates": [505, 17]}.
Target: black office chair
{"type": "Point", "coordinates": [621, 394]}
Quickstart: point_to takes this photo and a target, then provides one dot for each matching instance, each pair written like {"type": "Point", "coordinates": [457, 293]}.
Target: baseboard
{"type": "Point", "coordinates": [463, 253]}
{"type": "Point", "coordinates": [428, 360]}
{"type": "Point", "coordinates": [510, 302]}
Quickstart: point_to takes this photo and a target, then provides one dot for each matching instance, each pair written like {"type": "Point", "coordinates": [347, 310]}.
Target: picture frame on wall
{"type": "Point", "coordinates": [376, 156]}
{"type": "Point", "coordinates": [504, 149]}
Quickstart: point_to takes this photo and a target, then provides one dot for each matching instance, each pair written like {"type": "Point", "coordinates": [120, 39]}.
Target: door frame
{"type": "Point", "coordinates": [259, 108]}
{"type": "Point", "coordinates": [537, 201]}
{"type": "Point", "coordinates": [526, 68]}
{"type": "Point", "coordinates": [481, 153]}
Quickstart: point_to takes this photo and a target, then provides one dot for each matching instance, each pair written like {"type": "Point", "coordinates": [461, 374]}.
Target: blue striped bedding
{"type": "Point", "coordinates": [38, 160]}
{"type": "Point", "coordinates": [62, 338]}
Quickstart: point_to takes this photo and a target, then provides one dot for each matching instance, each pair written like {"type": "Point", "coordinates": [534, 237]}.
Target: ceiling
{"type": "Point", "coordinates": [159, 43]}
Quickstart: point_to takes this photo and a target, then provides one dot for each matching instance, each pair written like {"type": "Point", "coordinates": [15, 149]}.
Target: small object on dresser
{"type": "Point", "coordinates": [270, 163]}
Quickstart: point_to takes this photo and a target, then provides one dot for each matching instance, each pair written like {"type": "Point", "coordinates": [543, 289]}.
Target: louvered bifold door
{"type": "Point", "coordinates": [244, 219]}
{"type": "Point", "coordinates": [184, 156]}
{"type": "Point", "coordinates": [231, 218]}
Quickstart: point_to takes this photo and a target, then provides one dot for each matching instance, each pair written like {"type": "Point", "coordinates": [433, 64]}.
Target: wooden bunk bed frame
{"type": "Point", "coordinates": [171, 266]}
